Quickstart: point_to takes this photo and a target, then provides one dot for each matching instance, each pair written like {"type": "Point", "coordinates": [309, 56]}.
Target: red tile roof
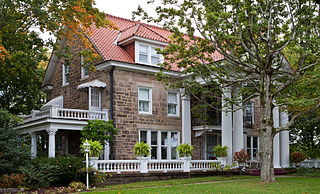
{"type": "Point", "coordinates": [105, 39]}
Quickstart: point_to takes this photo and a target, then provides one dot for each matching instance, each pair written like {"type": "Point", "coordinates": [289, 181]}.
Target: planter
{"type": "Point", "coordinates": [143, 163]}
{"type": "Point", "coordinates": [298, 164]}
{"type": "Point", "coordinates": [93, 158]}
{"type": "Point", "coordinates": [185, 158]}
{"type": "Point", "coordinates": [223, 160]}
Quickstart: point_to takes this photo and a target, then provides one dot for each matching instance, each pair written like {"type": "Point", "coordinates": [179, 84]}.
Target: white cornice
{"type": "Point", "coordinates": [154, 42]}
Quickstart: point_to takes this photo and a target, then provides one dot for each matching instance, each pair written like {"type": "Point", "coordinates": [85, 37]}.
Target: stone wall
{"type": "Point", "coordinates": [126, 116]}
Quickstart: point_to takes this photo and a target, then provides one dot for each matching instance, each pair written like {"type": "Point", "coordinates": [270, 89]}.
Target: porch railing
{"type": "Point", "coordinates": [145, 166]}
{"type": "Point", "coordinates": [64, 113]}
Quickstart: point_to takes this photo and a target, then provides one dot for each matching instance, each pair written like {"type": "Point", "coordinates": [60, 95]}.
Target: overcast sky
{"type": "Point", "coordinates": [122, 8]}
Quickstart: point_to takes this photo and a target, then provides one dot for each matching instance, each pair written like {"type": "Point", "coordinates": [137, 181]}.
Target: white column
{"type": "Point", "coordinates": [52, 142]}
{"type": "Point", "coordinates": [106, 150]}
{"type": "Point", "coordinates": [284, 142]}
{"type": "Point", "coordinates": [33, 144]}
{"type": "Point", "coordinates": [186, 118]}
{"type": "Point", "coordinates": [226, 125]}
{"type": "Point", "coordinates": [237, 124]}
{"type": "Point", "coordinates": [276, 144]}
{"type": "Point", "coordinates": [159, 145]}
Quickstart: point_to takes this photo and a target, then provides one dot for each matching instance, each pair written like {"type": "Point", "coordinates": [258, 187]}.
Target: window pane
{"type": "Point", "coordinates": [144, 94]}
{"type": "Point", "coordinates": [172, 109]}
{"type": "Point", "coordinates": [164, 153]}
{"type": "Point", "coordinates": [249, 142]}
{"type": "Point", "coordinates": [255, 154]}
{"type": "Point", "coordinates": [153, 51]}
{"type": "Point", "coordinates": [255, 142]}
{"type": "Point", "coordinates": [154, 152]}
{"type": "Point", "coordinates": [143, 49]}
{"type": "Point", "coordinates": [174, 139]}
{"type": "Point", "coordinates": [143, 136]}
{"type": "Point", "coordinates": [154, 138]}
{"type": "Point", "coordinates": [95, 97]}
{"type": "Point", "coordinates": [143, 58]}
{"type": "Point", "coordinates": [155, 60]}
{"type": "Point", "coordinates": [172, 98]}
{"type": "Point", "coordinates": [173, 153]}
{"type": "Point", "coordinates": [86, 71]}
{"type": "Point", "coordinates": [164, 138]}
{"type": "Point", "coordinates": [143, 106]}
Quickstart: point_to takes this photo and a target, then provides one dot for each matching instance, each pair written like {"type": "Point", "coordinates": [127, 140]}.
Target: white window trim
{"type": "Point", "coordinates": [150, 100]}
{"type": "Point", "coordinates": [159, 146]}
{"type": "Point", "coordinates": [251, 147]}
{"type": "Point", "coordinates": [64, 83]}
{"type": "Point", "coordinates": [93, 108]}
{"type": "Point", "coordinates": [83, 76]}
{"type": "Point", "coordinates": [149, 53]}
{"type": "Point", "coordinates": [178, 104]}
{"type": "Point", "coordinates": [251, 104]}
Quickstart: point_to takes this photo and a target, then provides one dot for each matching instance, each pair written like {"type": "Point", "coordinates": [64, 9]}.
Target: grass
{"type": "Point", "coordinates": [236, 184]}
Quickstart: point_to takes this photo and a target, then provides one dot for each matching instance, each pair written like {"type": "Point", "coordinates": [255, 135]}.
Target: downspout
{"type": "Point", "coordinates": [111, 107]}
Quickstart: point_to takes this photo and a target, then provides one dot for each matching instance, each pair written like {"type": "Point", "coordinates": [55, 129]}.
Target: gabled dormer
{"type": "Point", "coordinates": [140, 41]}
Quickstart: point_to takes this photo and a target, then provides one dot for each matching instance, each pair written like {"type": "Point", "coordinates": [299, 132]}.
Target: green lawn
{"type": "Point", "coordinates": [230, 185]}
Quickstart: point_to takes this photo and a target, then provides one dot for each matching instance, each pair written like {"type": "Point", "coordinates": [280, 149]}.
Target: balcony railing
{"type": "Point", "coordinates": [147, 165]}
{"type": "Point", "coordinates": [64, 113]}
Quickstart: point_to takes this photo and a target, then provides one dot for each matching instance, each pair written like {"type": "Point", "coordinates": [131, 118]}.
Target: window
{"type": "Point", "coordinates": [148, 54]}
{"type": "Point", "coordinates": [94, 99]}
{"type": "Point", "coordinates": [173, 103]}
{"type": "Point", "coordinates": [252, 147]}
{"type": "Point", "coordinates": [155, 58]}
{"type": "Point", "coordinates": [84, 68]}
{"type": "Point", "coordinates": [163, 143]}
{"type": "Point", "coordinates": [145, 102]}
{"type": "Point", "coordinates": [248, 115]}
{"type": "Point", "coordinates": [143, 53]}
{"type": "Point", "coordinates": [65, 74]}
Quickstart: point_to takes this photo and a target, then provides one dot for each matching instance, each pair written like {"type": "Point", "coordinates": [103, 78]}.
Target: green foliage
{"type": "Point", "coordinates": [313, 172]}
{"type": "Point", "coordinates": [77, 185]}
{"type": "Point", "coordinates": [185, 150]}
{"type": "Point", "coordinates": [221, 167]}
{"type": "Point", "coordinates": [11, 181]}
{"type": "Point", "coordinates": [297, 157]}
{"type": "Point", "coordinates": [141, 149]}
{"type": "Point", "coordinates": [14, 150]}
{"type": "Point", "coordinates": [95, 148]}
{"type": "Point", "coordinates": [98, 130]}
{"type": "Point", "coordinates": [305, 135]}
{"type": "Point", "coordinates": [45, 172]}
{"type": "Point", "coordinates": [220, 151]}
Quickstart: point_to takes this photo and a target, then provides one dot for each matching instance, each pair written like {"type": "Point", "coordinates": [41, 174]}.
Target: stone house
{"type": "Point", "coordinates": [124, 88]}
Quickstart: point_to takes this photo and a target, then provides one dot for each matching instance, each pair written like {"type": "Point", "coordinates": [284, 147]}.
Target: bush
{"type": "Point", "coordinates": [11, 181]}
{"type": "Point", "coordinates": [314, 172]}
{"type": "Point", "coordinates": [45, 172]}
{"type": "Point", "coordinates": [241, 156]}
{"type": "Point", "coordinates": [77, 185]}
{"type": "Point", "coordinates": [141, 149]}
{"type": "Point", "coordinates": [297, 157]}
{"type": "Point", "coordinates": [185, 150]}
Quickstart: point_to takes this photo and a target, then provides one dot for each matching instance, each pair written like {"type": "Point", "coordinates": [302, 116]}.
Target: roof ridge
{"type": "Point", "coordinates": [138, 26]}
{"type": "Point", "coordinates": [154, 31]}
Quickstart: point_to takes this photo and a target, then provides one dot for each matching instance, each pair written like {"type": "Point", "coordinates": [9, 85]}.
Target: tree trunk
{"type": "Point", "coordinates": [266, 132]}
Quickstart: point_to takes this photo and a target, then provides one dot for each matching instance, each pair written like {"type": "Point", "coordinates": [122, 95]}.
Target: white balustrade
{"type": "Point", "coordinates": [64, 113]}
{"type": "Point", "coordinates": [203, 164]}
{"type": "Point", "coordinates": [117, 166]}
{"type": "Point", "coordinates": [165, 165]}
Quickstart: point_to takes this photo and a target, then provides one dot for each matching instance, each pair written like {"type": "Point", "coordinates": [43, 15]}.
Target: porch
{"type": "Point", "coordinates": [52, 119]}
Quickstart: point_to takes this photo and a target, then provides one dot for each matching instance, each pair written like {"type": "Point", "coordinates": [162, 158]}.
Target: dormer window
{"type": "Point", "coordinates": [65, 74]}
{"type": "Point", "coordinates": [84, 69]}
{"type": "Point", "coordinates": [147, 54]}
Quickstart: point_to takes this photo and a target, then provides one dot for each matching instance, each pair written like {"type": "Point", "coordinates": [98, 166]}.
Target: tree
{"type": "Point", "coordinates": [98, 130]}
{"type": "Point", "coordinates": [21, 49]}
{"type": "Point", "coordinates": [14, 151]}
{"type": "Point", "coordinates": [305, 135]}
{"type": "Point", "coordinates": [252, 37]}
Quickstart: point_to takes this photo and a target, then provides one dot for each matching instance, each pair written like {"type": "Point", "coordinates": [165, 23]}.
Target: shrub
{"type": "Point", "coordinates": [185, 150]}
{"type": "Point", "coordinates": [11, 181]}
{"type": "Point", "coordinates": [313, 172]}
{"type": "Point", "coordinates": [241, 156]}
{"type": "Point", "coordinates": [99, 130]}
{"type": "Point", "coordinates": [77, 185]}
{"type": "Point", "coordinates": [60, 171]}
{"type": "Point", "coordinates": [141, 149]}
{"type": "Point", "coordinates": [95, 148]}
{"type": "Point", "coordinates": [220, 151]}
{"type": "Point", "coordinates": [297, 157]}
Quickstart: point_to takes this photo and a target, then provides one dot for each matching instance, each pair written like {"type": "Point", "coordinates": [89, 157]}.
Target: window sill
{"type": "Point", "coordinates": [173, 116]}
{"type": "Point", "coordinates": [65, 85]}
{"type": "Point", "coordinates": [144, 113]}
{"type": "Point", "coordinates": [84, 78]}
